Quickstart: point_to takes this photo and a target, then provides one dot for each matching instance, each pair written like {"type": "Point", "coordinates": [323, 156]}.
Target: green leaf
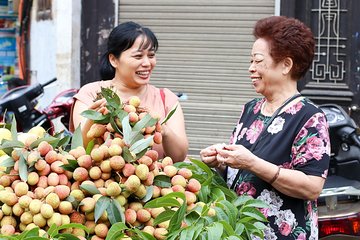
{"type": "Point", "coordinates": [74, 225]}
{"type": "Point", "coordinates": [166, 201]}
{"type": "Point", "coordinates": [192, 232]}
{"type": "Point", "coordinates": [205, 168]}
{"type": "Point", "coordinates": [77, 139]}
{"type": "Point", "coordinates": [140, 154]}
{"type": "Point", "coordinates": [144, 235]}
{"type": "Point", "coordinates": [34, 238]}
{"type": "Point", "coordinates": [164, 216]}
{"type": "Point", "coordinates": [146, 121]}
{"type": "Point", "coordinates": [256, 203]}
{"type": "Point", "coordinates": [221, 214]}
{"type": "Point", "coordinates": [149, 193]}
{"type": "Point", "coordinates": [230, 210]}
{"type": "Point", "coordinates": [51, 140]}
{"type": "Point", "coordinates": [192, 217]}
{"type": "Point", "coordinates": [121, 114]}
{"type": "Point", "coordinates": [230, 195]}
{"type": "Point", "coordinates": [188, 233]}
{"type": "Point", "coordinates": [64, 141]}
{"type": "Point", "coordinates": [126, 129]}
{"type": "Point", "coordinates": [8, 162]}
{"type": "Point", "coordinates": [174, 235]}
{"type": "Point", "coordinates": [141, 145]}
{"type": "Point", "coordinates": [204, 193]}
{"type": "Point", "coordinates": [249, 229]}
{"type": "Point", "coordinates": [254, 213]}
{"type": "Point", "coordinates": [94, 115]}
{"type": "Point", "coordinates": [71, 166]}
{"type": "Point", "coordinates": [239, 229]}
{"type": "Point", "coordinates": [241, 200]}
{"type": "Point", "coordinates": [101, 205]}
{"type": "Point", "coordinates": [53, 230]}
{"type": "Point", "coordinates": [136, 136]}
{"type": "Point", "coordinates": [13, 129]}
{"type": "Point", "coordinates": [169, 115]}
{"type": "Point", "coordinates": [23, 168]}
{"type": "Point", "coordinates": [112, 99]}
{"type": "Point", "coordinates": [234, 237]}
{"type": "Point", "coordinates": [217, 194]}
{"type": "Point", "coordinates": [228, 228]}
{"type": "Point", "coordinates": [176, 220]}
{"type": "Point", "coordinates": [17, 237]}
{"type": "Point", "coordinates": [115, 126]}
{"type": "Point", "coordinates": [31, 233]}
{"type": "Point", "coordinates": [89, 188]}
{"type": "Point", "coordinates": [126, 154]}
{"type": "Point", "coordinates": [73, 201]}
{"type": "Point", "coordinates": [219, 180]}
{"type": "Point", "coordinates": [116, 231]}
{"type": "Point", "coordinates": [114, 212]}
{"type": "Point", "coordinates": [215, 231]}
{"type": "Point", "coordinates": [90, 146]}
{"type": "Point", "coordinates": [162, 181]}
{"type": "Point", "coordinates": [66, 236]}
{"type": "Point", "coordinates": [7, 146]}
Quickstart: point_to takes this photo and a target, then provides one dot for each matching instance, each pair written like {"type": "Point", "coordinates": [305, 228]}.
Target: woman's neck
{"type": "Point", "coordinates": [272, 103]}
{"type": "Point", "coordinates": [126, 92]}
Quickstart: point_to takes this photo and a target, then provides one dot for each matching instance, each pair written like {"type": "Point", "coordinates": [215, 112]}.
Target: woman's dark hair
{"type": "Point", "coordinates": [122, 38]}
{"type": "Point", "coordinates": [288, 37]}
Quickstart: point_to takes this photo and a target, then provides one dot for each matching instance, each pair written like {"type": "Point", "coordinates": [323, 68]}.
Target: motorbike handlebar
{"type": "Point", "coordinates": [49, 82]}
{"type": "Point", "coordinates": [355, 138]}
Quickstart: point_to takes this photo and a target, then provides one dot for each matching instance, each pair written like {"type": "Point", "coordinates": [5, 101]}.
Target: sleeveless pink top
{"type": "Point", "coordinates": [151, 100]}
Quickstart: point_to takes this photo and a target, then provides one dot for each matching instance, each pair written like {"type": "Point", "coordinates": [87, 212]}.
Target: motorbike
{"type": "Point", "coordinates": [339, 202]}
{"type": "Point", "coordinates": [21, 102]}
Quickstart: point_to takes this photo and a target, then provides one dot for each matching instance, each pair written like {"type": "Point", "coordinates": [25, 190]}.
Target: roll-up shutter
{"type": "Point", "coordinates": [204, 52]}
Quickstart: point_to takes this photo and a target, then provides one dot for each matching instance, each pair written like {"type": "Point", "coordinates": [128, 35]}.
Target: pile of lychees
{"type": "Point", "coordinates": [108, 181]}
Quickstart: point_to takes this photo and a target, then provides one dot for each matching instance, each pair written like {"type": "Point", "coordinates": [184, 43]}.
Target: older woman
{"type": "Point", "coordinates": [279, 150]}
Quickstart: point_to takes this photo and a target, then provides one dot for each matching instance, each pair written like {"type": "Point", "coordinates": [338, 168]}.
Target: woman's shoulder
{"type": "Point", "coordinates": [88, 92]}
{"type": "Point", "coordinates": [93, 86]}
{"type": "Point", "coordinates": [155, 90]}
{"type": "Point", "coordinates": [254, 104]}
{"type": "Point", "coordinates": [310, 107]}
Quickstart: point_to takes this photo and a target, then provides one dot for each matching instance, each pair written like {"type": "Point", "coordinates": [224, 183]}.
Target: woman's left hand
{"type": "Point", "coordinates": [236, 156]}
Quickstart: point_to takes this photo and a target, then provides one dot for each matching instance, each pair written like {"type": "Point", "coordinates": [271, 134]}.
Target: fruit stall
{"type": "Point", "coordinates": [115, 186]}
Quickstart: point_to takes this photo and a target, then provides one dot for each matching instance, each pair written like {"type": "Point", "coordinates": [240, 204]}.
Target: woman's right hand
{"type": "Point", "coordinates": [209, 155]}
{"type": "Point", "coordinates": [99, 105]}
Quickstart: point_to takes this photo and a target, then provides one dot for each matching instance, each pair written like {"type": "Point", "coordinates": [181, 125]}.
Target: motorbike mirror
{"type": "Point", "coordinates": [336, 116]}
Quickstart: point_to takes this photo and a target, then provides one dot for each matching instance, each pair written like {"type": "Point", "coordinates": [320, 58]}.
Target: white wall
{"type": "Point", "coordinates": [55, 48]}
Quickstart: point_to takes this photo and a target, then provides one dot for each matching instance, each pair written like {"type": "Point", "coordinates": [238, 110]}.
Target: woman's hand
{"type": "Point", "coordinates": [236, 156]}
{"type": "Point", "coordinates": [99, 105]}
{"type": "Point", "coordinates": [210, 156]}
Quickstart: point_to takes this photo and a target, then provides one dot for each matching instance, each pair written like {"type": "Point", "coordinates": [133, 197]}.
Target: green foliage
{"type": "Point", "coordinates": [169, 115]}
{"type": "Point", "coordinates": [222, 215]}
{"type": "Point", "coordinates": [89, 188]}
{"type": "Point", "coordinates": [236, 217]}
{"type": "Point", "coordinates": [52, 233]}
{"type": "Point", "coordinates": [77, 139]}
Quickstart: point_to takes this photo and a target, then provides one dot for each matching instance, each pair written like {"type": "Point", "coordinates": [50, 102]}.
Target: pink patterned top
{"type": "Point", "coordinates": [297, 138]}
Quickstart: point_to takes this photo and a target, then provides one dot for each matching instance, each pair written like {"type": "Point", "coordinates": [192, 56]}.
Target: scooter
{"type": "Point", "coordinates": [21, 102]}
{"type": "Point", "coordinates": [339, 202]}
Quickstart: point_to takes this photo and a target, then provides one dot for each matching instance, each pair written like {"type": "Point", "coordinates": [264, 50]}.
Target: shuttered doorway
{"type": "Point", "coordinates": [204, 49]}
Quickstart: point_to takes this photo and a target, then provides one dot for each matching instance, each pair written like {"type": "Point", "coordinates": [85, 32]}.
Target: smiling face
{"type": "Point", "coordinates": [135, 65]}
{"type": "Point", "coordinates": [266, 75]}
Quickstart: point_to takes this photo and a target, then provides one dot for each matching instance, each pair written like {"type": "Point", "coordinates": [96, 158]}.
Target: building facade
{"type": "Point", "coordinates": [204, 52]}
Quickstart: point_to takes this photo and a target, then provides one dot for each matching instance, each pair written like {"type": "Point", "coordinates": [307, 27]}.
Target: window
{"type": "Point", "coordinates": [44, 10]}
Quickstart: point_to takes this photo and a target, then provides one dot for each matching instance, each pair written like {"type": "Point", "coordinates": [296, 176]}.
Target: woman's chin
{"type": "Point", "coordinates": [142, 81]}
